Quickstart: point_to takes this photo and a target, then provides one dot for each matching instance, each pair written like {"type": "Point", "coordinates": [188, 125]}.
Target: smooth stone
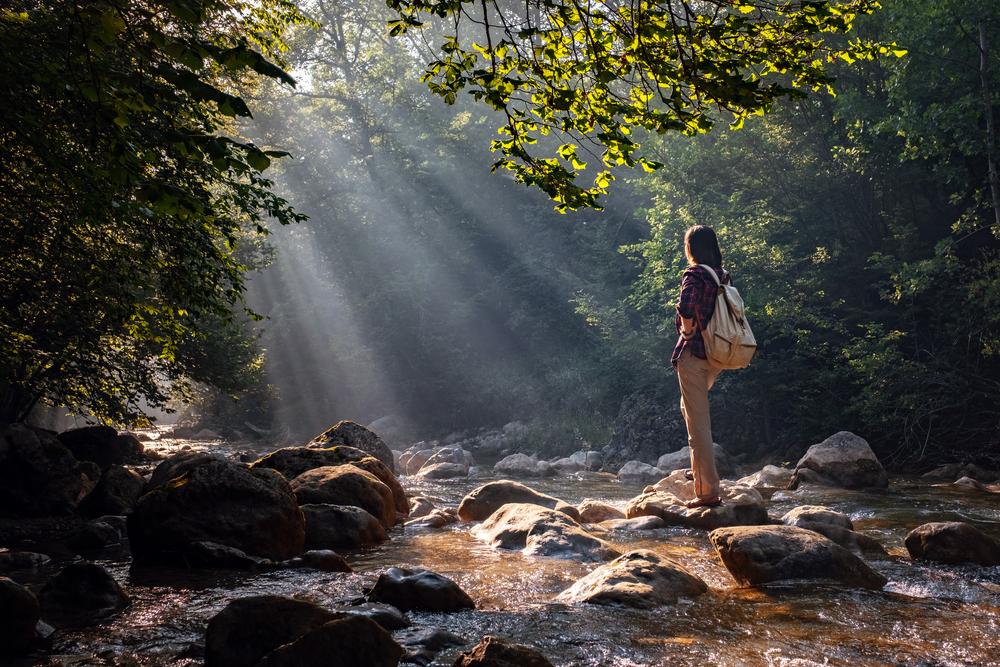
{"type": "Point", "coordinates": [816, 514]}
{"type": "Point", "coordinates": [768, 478]}
{"type": "Point", "coordinates": [498, 652]}
{"type": "Point", "coordinates": [567, 465]}
{"type": "Point", "coordinates": [81, 594]}
{"type": "Point", "coordinates": [354, 435]}
{"type": "Point", "coordinates": [439, 518]}
{"type": "Point", "coordinates": [341, 526]}
{"type": "Point", "coordinates": [952, 542]}
{"type": "Point", "coordinates": [444, 470]}
{"type": "Point", "coordinates": [524, 466]}
{"type": "Point", "coordinates": [595, 511]}
{"type": "Point", "coordinates": [346, 485]}
{"type": "Point", "coordinates": [640, 579]}
{"type": "Point", "coordinates": [450, 454]}
{"type": "Point", "coordinates": [19, 614]}
{"type": "Point", "coordinates": [483, 501]}
{"type": "Point", "coordinates": [351, 641]}
{"type": "Point", "coordinates": [639, 473]}
{"type": "Point", "coordinates": [420, 506]}
{"type": "Point", "coordinates": [845, 460]}
{"type": "Point", "coordinates": [386, 615]}
{"type": "Point", "coordinates": [419, 590]}
{"type": "Point", "coordinates": [117, 492]}
{"type": "Point", "coordinates": [542, 532]}
{"type": "Point", "coordinates": [741, 506]}
{"type": "Point", "coordinates": [324, 560]}
{"type": "Point", "coordinates": [101, 444]}
{"type": "Point", "coordinates": [970, 484]}
{"type": "Point", "coordinates": [681, 459]}
{"type": "Point", "coordinates": [219, 556]}
{"type": "Point", "coordinates": [859, 543]}
{"type": "Point", "coordinates": [422, 645]}
{"type": "Point", "coordinates": [757, 555]}
{"type": "Point", "coordinates": [176, 465]}
{"type": "Point", "coordinates": [39, 476]}
{"type": "Point", "coordinates": [636, 524]}
{"type": "Point", "coordinates": [11, 561]}
{"type": "Point", "coordinates": [94, 536]}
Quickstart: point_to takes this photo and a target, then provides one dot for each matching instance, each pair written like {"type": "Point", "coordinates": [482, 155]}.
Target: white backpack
{"type": "Point", "coordinates": [729, 342]}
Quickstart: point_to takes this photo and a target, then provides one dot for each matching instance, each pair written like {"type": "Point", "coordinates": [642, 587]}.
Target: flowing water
{"type": "Point", "coordinates": [925, 615]}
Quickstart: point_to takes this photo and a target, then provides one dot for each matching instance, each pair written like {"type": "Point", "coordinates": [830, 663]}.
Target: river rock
{"type": "Point", "coordinates": [741, 506]}
{"type": "Point", "coordinates": [681, 460]}
{"type": "Point", "coordinates": [420, 506]}
{"type": "Point", "coordinates": [177, 465]}
{"type": "Point", "coordinates": [955, 471]}
{"type": "Point", "coordinates": [94, 536]}
{"type": "Point", "coordinates": [816, 514]}
{"type": "Point", "coordinates": [952, 542]}
{"type": "Point", "coordinates": [566, 465]}
{"type": "Point", "coordinates": [11, 561]}
{"type": "Point", "coordinates": [414, 459]}
{"type": "Point", "coordinates": [224, 502]}
{"type": "Point", "coordinates": [436, 519]}
{"type": "Point", "coordinates": [769, 478]}
{"type": "Point", "coordinates": [444, 470]}
{"type": "Point", "coordinates": [858, 543]}
{"type": "Point", "coordinates": [422, 645]}
{"type": "Point", "coordinates": [637, 472]}
{"type": "Point", "coordinates": [38, 474]}
{"type": "Point", "coordinates": [101, 444]}
{"type": "Point", "coordinates": [589, 459]}
{"type": "Point", "coordinates": [19, 614]}
{"type": "Point", "coordinates": [249, 628]}
{"type": "Point", "coordinates": [595, 511]}
{"type": "Point", "coordinates": [483, 501]}
{"type": "Point", "coordinates": [346, 485]}
{"type": "Point", "coordinates": [324, 560]}
{"type": "Point", "coordinates": [497, 652]}
{"type": "Point", "coordinates": [81, 594]}
{"type": "Point", "coordinates": [293, 461]}
{"type": "Point", "coordinates": [845, 460]}
{"type": "Point", "coordinates": [757, 555]}
{"type": "Point", "coordinates": [419, 590]}
{"type": "Point", "coordinates": [541, 532]}
{"type": "Point", "coordinates": [211, 555]}
{"type": "Point", "coordinates": [340, 527]}
{"type": "Point", "coordinates": [450, 454]}
{"type": "Point", "coordinates": [116, 493]}
{"type": "Point", "coordinates": [354, 435]}
{"type": "Point", "coordinates": [970, 484]}
{"type": "Point", "coordinates": [522, 465]}
{"type": "Point", "coordinates": [635, 524]}
{"type": "Point", "coordinates": [641, 579]}
{"type": "Point", "coordinates": [351, 641]}
{"type": "Point", "coordinates": [389, 617]}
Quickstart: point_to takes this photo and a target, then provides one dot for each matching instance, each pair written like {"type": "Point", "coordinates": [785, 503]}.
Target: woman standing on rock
{"type": "Point", "coordinates": [695, 373]}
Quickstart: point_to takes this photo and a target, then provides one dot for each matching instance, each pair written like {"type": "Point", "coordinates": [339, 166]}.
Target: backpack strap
{"type": "Point", "coordinates": [715, 276]}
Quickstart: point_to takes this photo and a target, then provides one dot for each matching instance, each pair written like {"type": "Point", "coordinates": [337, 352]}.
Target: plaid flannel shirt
{"type": "Point", "coordinates": [697, 302]}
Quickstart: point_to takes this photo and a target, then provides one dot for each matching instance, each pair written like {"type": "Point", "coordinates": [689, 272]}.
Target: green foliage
{"type": "Point", "coordinates": [566, 74]}
{"type": "Point", "coordinates": [126, 194]}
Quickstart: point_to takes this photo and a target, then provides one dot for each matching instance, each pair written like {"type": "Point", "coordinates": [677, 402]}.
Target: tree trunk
{"type": "Point", "coordinates": [991, 132]}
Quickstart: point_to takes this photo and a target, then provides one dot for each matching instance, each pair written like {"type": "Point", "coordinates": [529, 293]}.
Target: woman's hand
{"type": "Point", "coordinates": [687, 327]}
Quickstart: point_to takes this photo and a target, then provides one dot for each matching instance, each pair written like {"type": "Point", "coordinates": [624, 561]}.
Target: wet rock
{"type": "Point", "coordinates": [640, 579]}
{"type": "Point", "coordinates": [413, 461]}
{"type": "Point", "coordinates": [419, 590]}
{"type": "Point", "coordinates": [116, 493]}
{"type": "Point", "coordinates": [219, 556]}
{"type": "Point", "coordinates": [354, 435]}
{"type": "Point", "coordinates": [952, 542]}
{"type": "Point", "coordinates": [420, 506]}
{"type": "Point", "coordinates": [522, 465]}
{"type": "Point", "coordinates": [94, 535]}
{"type": "Point", "coordinates": [595, 511]}
{"type": "Point", "coordinates": [757, 555]}
{"type": "Point", "coordinates": [845, 460]}
{"type": "Point", "coordinates": [566, 465]}
{"type": "Point", "coordinates": [218, 501]}
{"type": "Point", "coordinates": [589, 459]}
{"type": "Point", "coordinates": [858, 543]}
{"type": "Point", "coordinates": [11, 561]}
{"type": "Point", "coordinates": [681, 460]}
{"type": "Point", "coordinates": [637, 472]}
{"type": "Point", "coordinates": [483, 501]}
{"type": "Point", "coordinates": [346, 485]}
{"type": "Point", "coordinates": [497, 652]}
{"type": "Point", "coordinates": [422, 645]}
{"type": "Point", "coordinates": [816, 514]}
{"type": "Point", "coordinates": [351, 641]}
{"type": "Point", "coordinates": [101, 444]}
{"type": "Point", "coordinates": [541, 532]}
{"type": "Point", "coordinates": [250, 628]}
{"type": "Point", "coordinates": [955, 471]}
{"type": "Point", "coordinates": [323, 560]}
{"type": "Point", "coordinates": [741, 506]}
{"type": "Point", "coordinates": [341, 527]}
{"type": "Point", "coordinates": [178, 464]}
{"type": "Point", "coordinates": [638, 523]}
{"type": "Point", "coordinates": [294, 461]}
{"type": "Point", "coordinates": [39, 476]}
{"type": "Point", "coordinates": [450, 454]}
{"type": "Point", "coordinates": [19, 614]}
{"type": "Point", "coordinates": [81, 594]}
{"type": "Point", "coordinates": [389, 617]}
{"type": "Point", "coordinates": [438, 518]}
{"type": "Point", "coordinates": [444, 471]}
{"type": "Point", "coordinates": [970, 484]}
{"type": "Point", "coordinates": [769, 478]}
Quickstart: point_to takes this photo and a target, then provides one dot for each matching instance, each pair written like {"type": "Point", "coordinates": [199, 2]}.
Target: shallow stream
{"type": "Point", "coordinates": [926, 615]}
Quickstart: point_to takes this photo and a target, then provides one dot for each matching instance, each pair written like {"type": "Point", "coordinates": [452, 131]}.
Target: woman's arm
{"type": "Point", "coordinates": [691, 288]}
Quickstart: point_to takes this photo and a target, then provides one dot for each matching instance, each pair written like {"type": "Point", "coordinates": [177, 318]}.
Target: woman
{"type": "Point", "coordinates": [694, 372]}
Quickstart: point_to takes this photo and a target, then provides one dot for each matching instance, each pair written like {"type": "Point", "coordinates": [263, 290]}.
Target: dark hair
{"type": "Point", "coordinates": [702, 247]}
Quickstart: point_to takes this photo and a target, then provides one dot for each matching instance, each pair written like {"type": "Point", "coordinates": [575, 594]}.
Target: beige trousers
{"type": "Point", "coordinates": [696, 377]}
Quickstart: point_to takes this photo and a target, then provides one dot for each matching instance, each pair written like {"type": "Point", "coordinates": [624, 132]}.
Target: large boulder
{"type": "Point", "coordinates": [497, 652]}
{"type": "Point", "coordinates": [645, 422]}
{"type": "Point", "coordinates": [542, 532]}
{"type": "Point", "coordinates": [419, 590]}
{"type": "Point", "coordinates": [450, 454]}
{"type": "Point", "coordinates": [741, 505]}
{"type": "Point", "coordinates": [101, 444]}
{"type": "Point", "coordinates": [681, 459]}
{"type": "Point", "coordinates": [483, 501]}
{"type": "Point", "coordinates": [443, 470]}
{"type": "Point", "coordinates": [952, 542]}
{"type": "Point", "coordinates": [641, 579]}
{"type": "Point", "coordinates": [522, 465]}
{"type": "Point", "coordinates": [413, 459]}
{"type": "Point", "coordinates": [293, 461]}
{"type": "Point", "coordinates": [810, 514]}
{"type": "Point", "coordinates": [346, 485]}
{"type": "Point", "coordinates": [857, 543]}
{"type": "Point", "coordinates": [354, 435]}
{"type": "Point", "coordinates": [250, 628]}
{"type": "Point", "coordinates": [341, 527]}
{"type": "Point", "coordinates": [116, 493]}
{"type": "Point", "coordinates": [757, 555]}
{"type": "Point", "coordinates": [845, 460]}
{"type": "Point", "coordinates": [81, 594]}
{"type": "Point", "coordinates": [39, 476]}
{"type": "Point", "coordinates": [595, 511]}
{"type": "Point", "coordinates": [19, 613]}
{"type": "Point", "coordinates": [637, 472]}
{"type": "Point", "coordinates": [351, 641]}
{"type": "Point", "coordinates": [768, 479]}
{"type": "Point", "coordinates": [178, 464]}
{"type": "Point", "coordinates": [222, 502]}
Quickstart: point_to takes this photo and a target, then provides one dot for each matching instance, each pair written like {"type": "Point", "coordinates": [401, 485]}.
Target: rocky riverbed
{"type": "Point", "coordinates": [540, 572]}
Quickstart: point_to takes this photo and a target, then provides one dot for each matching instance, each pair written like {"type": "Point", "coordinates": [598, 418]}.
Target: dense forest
{"type": "Point", "coordinates": [861, 224]}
